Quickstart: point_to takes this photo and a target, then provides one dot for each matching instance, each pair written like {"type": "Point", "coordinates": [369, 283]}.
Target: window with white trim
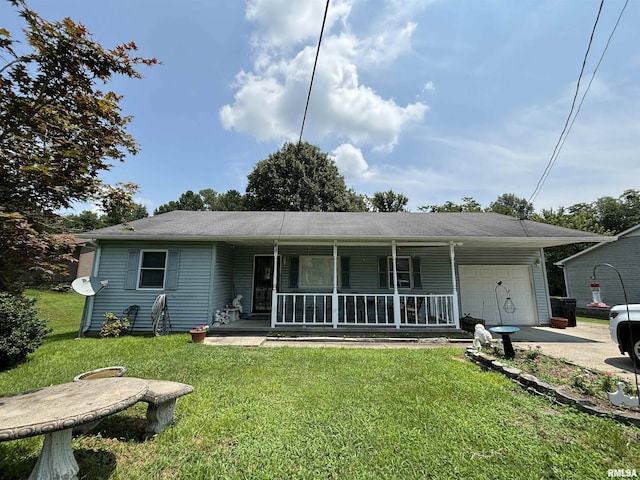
{"type": "Point", "coordinates": [403, 268]}
{"type": "Point", "coordinates": [153, 264]}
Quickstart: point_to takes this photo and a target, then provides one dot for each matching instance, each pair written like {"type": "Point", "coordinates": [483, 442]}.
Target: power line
{"type": "Point", "coordinates": [606, 47]}
{"type": "Point", "coordinates": [547, 169]}
{"type": "Point", "coordinates": [313, 73]}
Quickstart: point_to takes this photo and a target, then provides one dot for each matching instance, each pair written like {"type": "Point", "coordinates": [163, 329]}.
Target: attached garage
{"type": "Point", "coordinates": [478, 293]}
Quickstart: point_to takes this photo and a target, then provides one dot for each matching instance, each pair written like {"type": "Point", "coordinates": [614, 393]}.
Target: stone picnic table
{"type": "Point", "coordinates": [54, 411]}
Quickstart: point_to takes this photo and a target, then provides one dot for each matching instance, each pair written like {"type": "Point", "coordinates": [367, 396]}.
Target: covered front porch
{"type": "Point", "coordinates": [384, 285]}
{"type": "Point", "coordinates": [364, 309]}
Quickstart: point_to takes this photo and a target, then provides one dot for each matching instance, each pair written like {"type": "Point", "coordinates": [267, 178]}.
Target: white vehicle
{"type": "Point", "coordinates": [628, 339]}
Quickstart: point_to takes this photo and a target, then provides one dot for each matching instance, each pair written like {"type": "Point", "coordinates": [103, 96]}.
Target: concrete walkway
{"type": "Point", "coordinates": [587, 344]}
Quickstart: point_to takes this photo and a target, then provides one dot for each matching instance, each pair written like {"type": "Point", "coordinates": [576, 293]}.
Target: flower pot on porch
{"type": "Point", "coordinates": [559, 322]}
{"type": "Point", "coordinates": [197, 336]}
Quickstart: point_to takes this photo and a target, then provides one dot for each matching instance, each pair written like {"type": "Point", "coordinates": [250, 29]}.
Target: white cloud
{"type": "Point", "coordinates": [283, 24]}
{"type": "Point", "coordinates": [351, 163]}
{"type": "Point", "coordinates": [387, 45]}
{"type": "Point", "coordinates": [429, 87]}
{"type": "Point", "coordinates": [269, 101]}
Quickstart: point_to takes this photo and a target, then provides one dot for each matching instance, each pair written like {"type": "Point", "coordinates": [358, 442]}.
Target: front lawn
{"type": "Point", "coordinates": [316, 413]}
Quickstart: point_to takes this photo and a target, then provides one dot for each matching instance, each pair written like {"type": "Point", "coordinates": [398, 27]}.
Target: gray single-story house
{"type": "Point", "coordinates": [624, 255]}
{"type": "Point", "coordinates": [327, 269]}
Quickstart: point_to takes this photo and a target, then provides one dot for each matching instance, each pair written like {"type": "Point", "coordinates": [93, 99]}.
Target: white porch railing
{"type": "Point", "coordinates": [364, 310]}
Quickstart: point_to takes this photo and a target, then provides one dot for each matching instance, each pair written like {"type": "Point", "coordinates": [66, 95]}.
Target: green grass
{"type": "Point", "coordinates": [315, 413]}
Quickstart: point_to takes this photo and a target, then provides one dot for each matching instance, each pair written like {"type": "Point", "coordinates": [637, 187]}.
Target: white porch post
{"type": "Point", "coordinates": [456, 308]}
{"type": "Point", "coordinates": [274, 294]}
{"type": "Point", "coordinates": [396, 296]}
{"type": "Point", "coordinates": [334, 296]}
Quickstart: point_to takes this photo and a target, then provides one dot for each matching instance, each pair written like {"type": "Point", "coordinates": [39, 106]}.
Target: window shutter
{"type": "Point", "coordinates": [173, 263]}
{"type": "Point", "coordinates": [417, 277]}
{"type": "Point", "coordinates": [293, 272]}
{"type": "Point", "coordinates": [382, 272]}
{"type": "Point", "coordinates": [133, 263]}
{"type": "Point", "coordinates": [344, 267]}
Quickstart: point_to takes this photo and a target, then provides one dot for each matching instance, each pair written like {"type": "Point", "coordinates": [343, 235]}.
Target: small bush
{"type": "Point", "coordinates": [113, 326]}
{"type": "Point", "coordinates": [21, 330]}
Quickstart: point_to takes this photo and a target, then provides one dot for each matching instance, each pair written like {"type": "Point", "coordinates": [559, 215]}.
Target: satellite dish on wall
{"type": "Point", "coordinates": [88, 286]}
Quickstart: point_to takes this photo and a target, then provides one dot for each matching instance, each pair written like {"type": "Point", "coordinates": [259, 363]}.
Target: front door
{"type": "Point", "coordinates": [262, 283]}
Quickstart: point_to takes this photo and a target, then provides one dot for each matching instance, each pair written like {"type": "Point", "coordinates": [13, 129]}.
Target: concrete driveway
{"type": "Point", "coordinates": [587, 344]}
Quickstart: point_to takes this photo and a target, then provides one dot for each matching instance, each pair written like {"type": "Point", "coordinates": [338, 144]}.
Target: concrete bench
{"type": "Point", "coordinates": [162, 396]}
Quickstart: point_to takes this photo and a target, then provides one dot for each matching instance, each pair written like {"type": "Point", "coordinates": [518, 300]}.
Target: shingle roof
{"type": "Point", "coordinates": [329, 226]}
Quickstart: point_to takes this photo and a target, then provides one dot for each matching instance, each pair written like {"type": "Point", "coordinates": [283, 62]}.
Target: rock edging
{"type": "Point", "coordinates": [531, 384]}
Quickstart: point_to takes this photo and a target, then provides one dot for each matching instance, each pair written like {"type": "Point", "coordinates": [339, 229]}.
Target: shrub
{"type": "Point", "coordinates": [113, 326]}
{"type": "Point", "coordinates": [21, 330]}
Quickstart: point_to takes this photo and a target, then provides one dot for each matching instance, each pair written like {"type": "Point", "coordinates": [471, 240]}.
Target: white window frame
{"type": "Point", "coordinates": [390, 272]}
{"type": "Point", "coordinates": [327, 263]}
{"type": "Point", "coordinates": [141, 268]}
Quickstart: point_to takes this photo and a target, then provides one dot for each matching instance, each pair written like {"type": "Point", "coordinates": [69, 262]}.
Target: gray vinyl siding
{"type": "Point", "coordinates": [623, 254]}
{"type": "Point", "coordinates": [188, 304]}
{"type": "Point", "coordinates": [222, 277]}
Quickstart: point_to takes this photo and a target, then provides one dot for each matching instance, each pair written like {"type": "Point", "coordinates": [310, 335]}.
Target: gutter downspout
{"type": "Point", "coordinates": [543, 265]}
{"type": "Point", "coordinates": [456, 308]}
{"type": "Point", "coordinates": [334, 295]}
{"type": "Point", "coordinates": [274, 294]}
{"type": "Point", "coordinates": [87, 311]}
{"type": "Point", "coordinates": [396, 296]}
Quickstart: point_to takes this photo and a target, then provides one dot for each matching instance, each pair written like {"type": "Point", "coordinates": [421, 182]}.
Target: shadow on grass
{"type": "Point", "coordinates": [56, 337]}
{"type": "Point", "coordinates": [122, 427]}
{"type": "Point", "coordinates": [18, 463]}
{"type": "Point", "coordinates": [95, 464]}
{"type": "Point", "coordinates": [16, 460]}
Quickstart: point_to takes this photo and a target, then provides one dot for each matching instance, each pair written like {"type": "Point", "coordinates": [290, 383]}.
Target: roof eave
{"type": "Point", "coordinates": [526, 241]}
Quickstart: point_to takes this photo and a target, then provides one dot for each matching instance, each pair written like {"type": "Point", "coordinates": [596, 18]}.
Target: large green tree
{"type": "Point", "coordinates": [58, 131]}
{"type": "Point", "coordinates": [231, 200]}
{"type": "Point", "coordinates": [206, 199]}
{"type": "Point", "coordinates": [300, 177]}
{"type": "Point", "coordinates": [389, 201]}
{"type": "Point", "coordinates": [469, 204]}
{"type": "Point", "coordinates": [618, 214]}
{"type": "Point", "coordinates": [510, 204]}
{"type": "Point", "coordinates": [187, 201]}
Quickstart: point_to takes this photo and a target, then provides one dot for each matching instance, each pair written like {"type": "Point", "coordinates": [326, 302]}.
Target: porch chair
{"type": "Point", "coordinates": [413, 309]}
{"type": "Point", "coordinates": [131, 313]}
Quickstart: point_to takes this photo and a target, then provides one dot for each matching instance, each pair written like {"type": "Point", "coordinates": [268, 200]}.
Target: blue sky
{"type": "Point", "coordinates": [438, 100]}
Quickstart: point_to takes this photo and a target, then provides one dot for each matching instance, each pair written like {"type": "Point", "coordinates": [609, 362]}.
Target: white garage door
{"type": "Point", "coordinates": [478, 293]}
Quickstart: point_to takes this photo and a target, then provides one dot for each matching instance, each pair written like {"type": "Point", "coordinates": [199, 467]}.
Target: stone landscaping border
{"type": "Point", "coordinates": [532, 385]}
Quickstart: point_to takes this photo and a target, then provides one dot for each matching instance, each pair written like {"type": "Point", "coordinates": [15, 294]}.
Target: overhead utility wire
{"type": "Point", "coordinates": [606, 47]}
{"type": "Point", "coordinates": [326, 9]}
{"type": "Point", "coordinates": [547, 169]}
